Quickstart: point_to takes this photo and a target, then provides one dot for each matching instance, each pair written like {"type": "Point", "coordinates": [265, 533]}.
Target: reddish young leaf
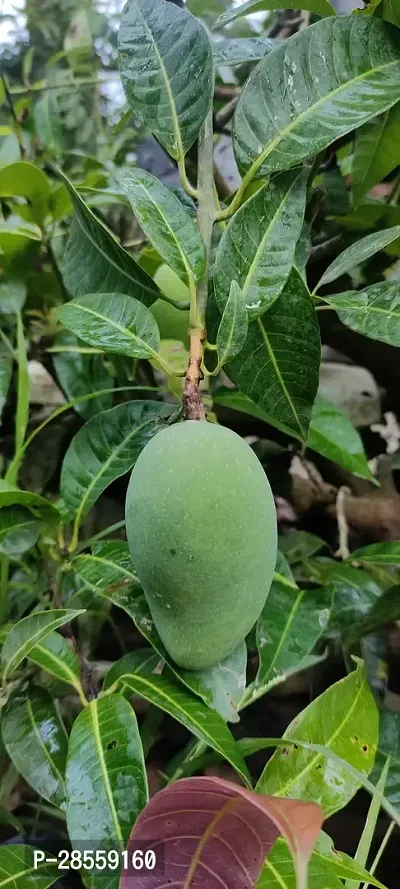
{"type": "Point", "coordinates": [208, 833]}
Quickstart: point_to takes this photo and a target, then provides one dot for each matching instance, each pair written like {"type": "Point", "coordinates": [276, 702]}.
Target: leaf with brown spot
{"type": "Point", "coordinates": [212, 833]}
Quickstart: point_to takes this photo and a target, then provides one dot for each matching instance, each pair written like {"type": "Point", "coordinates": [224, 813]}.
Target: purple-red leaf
{"type": "Point", "coordinates": [208, 833]}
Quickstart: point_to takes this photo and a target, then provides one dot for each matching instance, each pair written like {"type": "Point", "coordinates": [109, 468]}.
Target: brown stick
{"type": "Point", "coordinates": [191, 400]}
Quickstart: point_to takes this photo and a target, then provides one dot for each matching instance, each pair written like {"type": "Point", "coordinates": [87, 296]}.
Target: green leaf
{"type": "Point", "coordinates": [298, 546]}
{"type": "Point", "coordinates": [79, 374]}
{"type": "Point", "coordinates": [278, 367]}
{"type": "Point", "coordinates": [19, 530]}
{"type": "Point", "coordinates": [95, 262]}
{"type": "Point", "coordinates": [279, 873]}
{"type": "Point", "coordinates": [390, 11]}
{"type": "Point", "coordinates": [237, 50]}
{"type": "Point", "coordinates": [108, 568]}
{"type": "Point", "coordinates": [354, 591]}
{"type": "Point", "coordinates": [374, 312]}
{"type": "Point", "coordinates": [332, 435]}
{"type": "Point", "coordinates": [319, 7]}
{"type": "Point", "coordinates": [378, 554]}
{"type": "Point", "coordinates": [114, 322]}
{"type": "Point", "coordinates": [36, 742]}
{"type": "Point", "coordinates": [142, 660]}
{"type": "Point", "coordinates": [18, 866]}
{"type": "Point", "coordinates": [204, 723]}
{"type": "Point", "coordinates": [290, 624]}
{"type": "Point", "coordinates": [27, 181]}
{"type": "Point", "coordinates": [169, 227]}
{"type": "Point", "coordinates": [28, 632]}
{"type": "Point", "coordinates": [104, 449]}
{"type": "Point", "coordinates": [232, 331]}
{"type": "Point", "coordinates": [47, 121]}
{"type": "Point", "coordinates": [170, 92]}
{"type": "Point", "coordinates": [343, 719]}
{"type": "Point", "coordinates": [322, 100]}
{"type": "Point", "coordinates": [10, 496]}
{"type": "Point", "coordinates": [383, 611]}
{"type": "Point", "coordinates": [12, 297]}
{"type": "Point", "coordinates": [258, 247]}
{"type": "Point", "coordinates": [341, 864]}
{"type": "Point", "coordinates": [358, 253]}
{"type": "Point", "coordinates": [389, 745]}
{"type": "Point", "coordinates": [6, 363]}
{"type": "Point", "coordinates": [105, 778]}
{"type": "Point", "coordinates": [375, 152]}
{"type": "Point", "coordinates": [220, 687]}
{"type": "Point", "coordinates": [55, 655]}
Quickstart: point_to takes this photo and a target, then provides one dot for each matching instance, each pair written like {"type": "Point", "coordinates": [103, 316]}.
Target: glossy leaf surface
{"type": "Point", "coordinates": [113, 322]}
{"type": "Point", "coordinates": [320, 7]}
{"type": "Point", "coordinates": [56, 655]}
{"type": "Point", "coordinates": [333, 435]}
{"type": "Point", "coordinates": [19, 530]}
{"type": "Point", "coordinates": [233, 327]}
{"type": "Point", "coordinates": [28, 632]}
{"type": "Point", "coordinates": [374, 312]}
{"type": "Point", "coordinates": [18, 867]}
{"type": "Point", "coordinates": [375, 152]}
{"type": "Point", "coordinates": [358, 253]}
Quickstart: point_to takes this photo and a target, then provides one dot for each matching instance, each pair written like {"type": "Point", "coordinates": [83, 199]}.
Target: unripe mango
{"type": "Point", "coordinates": [201, 527]}
{"type": "Point", "coordinates": [173, 323]}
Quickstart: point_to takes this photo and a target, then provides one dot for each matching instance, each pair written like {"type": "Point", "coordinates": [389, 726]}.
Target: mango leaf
{"type": "Point", "coordinates": [28, 632]}
{"type": "Point", "coordinates": [389, 745]}
{"type": "Point", "coordinates": [36, 742]}
{"type": "Point", "coordinates": [204, 723]}
{"type": "Point", "coordinates": [12, 297]}
{"type": "Point", "coordinates": [105, 778]}
{"type": "Point", "coordinates": [142, 660]}
{"type": "Point", "coordinates": [108, 568]}
{"type": "Point", "coordinates": [374, 312]}
{"type": "Point", "coordinates": [236, 50]}
{"type": "Point", "coordinates": [94, 262]}
{"type": "Point", "coordinates": [12, 496]}
{"type": "Point", "coordinates": [257, 249]}
{"type": "Point", "coordinates": [79, 374]}
{"type": "Point", "coordinates": [354, 591]}
{"type": "Point", "coordinates": [27, 181]}
{"type": "Point", "coordinates": [341, 864]}
{"type": "Point", "coordinates": [278, 367]}
{"type": "Point", "coordinates": [232, 331]}
{"type": "Point", "coordinates": [19, 530]}
{"type": "Point", "coordinates": [332, 435]}
{"type": "Point", "coordinates": [221, 686]}
{"type": "Point", "coordinates": [358, 253]}
{"type": "Point", "coordinates": [220, 829]}
{"type": "Point", "coordinates": [18, 866]}
{"type": "Point", "coordinates": [345, 720]}
{"type": "Point", "coordinates": [106, 448]}
{"type": "Point", "coordinates": [324, 871]}
{"type": "Point", "coordinates": [383, 611]}
{"type": "Point", "coordinates": [114, 322]}
{"type": "Point", "coordinates": [47, 121]}
{"type": "Point", "coordinates": [167, 224]}
{"type": "Point", "coordinates": [375, 152]}
{"type": "Point", "coordinates": [170, 92]}
{"type": "Point", "coordinates": [390, 12]}
{"type": "Point", "coordinates": [320, 7]}
{"type": "Point", "coordinates": [290, 624]}
{"type": "Point", "coordinates": [55, 655]}
{"type": "Point", "coordinates": [317, 105]}
{"type": "Point", "coordinates": [378, 554]}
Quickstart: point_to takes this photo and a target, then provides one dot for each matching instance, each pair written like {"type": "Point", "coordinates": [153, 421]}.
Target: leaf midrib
{"type": "Point", "coordinates": [103, 768]}
{"type": "Point", "coordinates": [107, 562]}
{"type": "Point", "coordinates": [38, 635]}
{"type": "Point", "coordinates": [279, 376]}
{"type": "Point", "coordinates": [184, 258]}
{"type": "Point", "coordinates": [124, 330]}
{"type": "Point", "coordinates": [364, 310]}
{"type": "Point", "coordinates": [284, 634]}
{"type": "Point", "coordinates": [29, 870]}
{"type": "Point", "coordinates": [42, 744]}
{"type": "Point", "coordinates": [67, 671]}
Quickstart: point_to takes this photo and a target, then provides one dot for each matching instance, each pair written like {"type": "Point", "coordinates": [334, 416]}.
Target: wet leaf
{"type": "Point", "coordinates": [204, 723]}
{"type": "Point", "coordinates": [332, 435]}
{"type": "Point", "coordinates": [320, 7]}
{"type": "Point", "coordinates": [36, 742]}
{"type": "Point", "coordinates": [358, 253]}
{"type": "Point", "coordinates": [28, 632]}
{"type": "Point", "coordinates": [105, 778]}
{"type": "Point", "coordinates": [345, 720]}
{"type": "Point", "coordinates": [383, 611]}
{"type": "Point", "coordinates": [104, 449]}
{"type": "Point", "coordinates": [278, 367]}
{"type": "Point", "coordinates": [374, 312]}
{"type": "Point", "coordinates": [221, 830]}
{"type": "Point", "coordinates": [142, 660]}
{"type": "Point", "coordinates": [311, 101]}
{"type": "Point", "coordinates": [79, 374]}
{"type": "Point", "coordinates": [233, 327]}
{"type": "Point", "coordinates": [354, 591]}
{"type": "Point", "coordinates": [389, 745]}
{"type": "Point", "coordinates": [170, 92]}
{"type": "Point", "coordinates": [56, 655]}
{"type": "Point", "coordinates": [375, 152]}
{"type": "Point", "coordinates": [258, 247]}
{"type": "Point", "coordinates": [166, 222]}
{"type": "Point", "coordinates": [113, 322]}
{"type": "Point", "coordinates": [108, 567]}
{"type": "Point", "coordinates": [237, 50]}
{"type": "Point", "coordinates": [94, 262]}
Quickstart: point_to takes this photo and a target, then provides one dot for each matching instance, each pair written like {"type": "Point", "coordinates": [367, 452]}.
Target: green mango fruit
{"type": "Point", "coordinates": [201, 527]}
{"type": "Point", "coordinates": [173, 323]}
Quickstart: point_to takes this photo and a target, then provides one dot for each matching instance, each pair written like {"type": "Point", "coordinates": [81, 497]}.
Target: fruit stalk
{"type": "Point", "coordinates": [192, 403]}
